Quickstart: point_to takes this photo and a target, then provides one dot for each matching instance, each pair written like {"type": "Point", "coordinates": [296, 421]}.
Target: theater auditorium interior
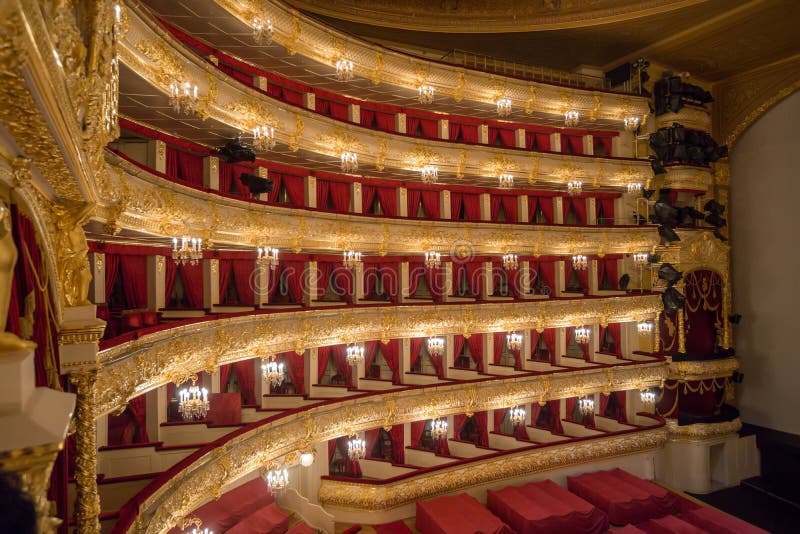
{"type": "Point", "coordinates": [435, 267]}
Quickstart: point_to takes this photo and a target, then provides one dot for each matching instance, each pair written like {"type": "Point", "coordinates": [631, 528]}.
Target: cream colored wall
{"type": "Point", "coordinates": [765, 188]}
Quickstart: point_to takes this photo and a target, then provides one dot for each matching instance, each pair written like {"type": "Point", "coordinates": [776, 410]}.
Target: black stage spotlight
{"type": "Point", "coordinates": [234, 151]}
{"type": "Point", "coordinates": [670, 274]}
{"type": "Point", "coordinates": [648, 193]}
{"type": "Point", "coordinates": [256, 184]}
{"type": "Point", "coordinates": [653, 258]}
{"type": "Point", "coordinates": [715, 207]}
{"type": "Point", "coordinates": [737, 377]}
{"type": "Point", "coordinates": [668, 234]}
{"type": "Point", "coordinates": [672, 299]}
{"type": "Point", "coordinates": [715, 220]}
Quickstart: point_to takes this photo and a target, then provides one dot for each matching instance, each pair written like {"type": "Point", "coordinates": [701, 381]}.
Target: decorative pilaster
{"type": "Point", "coordinates": [87, 501]}
{"type": "Point", "coordinates": [681, 332]}
{"type": "Point", "coordinates": [657, 333]}
{"type": "Point", "coordinates": [726, 312]}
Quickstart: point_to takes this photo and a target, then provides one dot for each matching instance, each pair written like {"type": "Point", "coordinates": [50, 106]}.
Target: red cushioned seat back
{"type": "Point", "coordinates": [132, 321]}
{"type": "Point", "coordinates": [234, 506]}
{"type": "Point", "coordinates": [267, 520]}
{"type": "Point", "coordinates": [149, 318]}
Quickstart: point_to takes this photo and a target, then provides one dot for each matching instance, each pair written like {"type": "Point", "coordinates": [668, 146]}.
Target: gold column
{"type": "Point", "coordinates": [726, 312]}
{"type": "Point", "coordinates": [33, 466]}
{"type": "Point", "coordinates": [87, 500]}
{"type": "Point", "coordinates": [657, 333]}
{"type": "Point", "coordinates": [681, 332]}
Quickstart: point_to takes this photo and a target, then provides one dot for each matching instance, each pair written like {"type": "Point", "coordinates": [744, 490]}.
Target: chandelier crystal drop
{"type": "Point", "coordinates": [645, 328]}
{"type": "Point", "coordinates": [273, 372]}
{"type": "Point", "coordinates": [580, 262]}
{"type": "Point", "coordinates": [631, 123]}
{"type": "Point", "coordinates": [575, 187]}
{"type": "Point", "coordinates": [572, 118]}
{"type": "Point", "coordinates": [516, 415]}
{"type": "Point", "coordinates": [193, 402]}
{"type": "Point", "coordinates": [514, 340]}
{"type": "Point", "coordinates": [426, 93]}
{"type": "Point", "coordinates": [351, 259]}
{"type": "Point", "coordinates": [506, 180]}
{"type": "Point", "coordinates": [648, 397]}
{"type": "Point", "coordinates": [640, 258]}
{"type": "Point", "coordinates": [634, 187]}
{"type": "Point", "coordinates": [262, 31]}
{"type": "Point", "coordinates": [355, 354]}
{"type": "Point", "coordinates": [582, 334]}
{"type": "Point", "coordinates": [429, 174]}
{"type": "Point", "coordinates": [436, 346]}
{"type": "Point", "coordinates": [356, 448]}
{"type": "Point", "coordinates": [277, 480]}
{"type": "Point", "coordinates": [190, 250]}
{"type": "Point", "coordinates": [504, 107]}
{"type": "Point", "coordinates": [264, 138]}
{"type": "Point", "coordinates": [183, 97]}
{"type": "Point", "coordinates": [439, 429]}
{"type": "Point", "coordinates": [349, 161]}
{"type": "Point", "coordinates": [204, 531]}
{"type": "Point", "coordinates": [267, 257]}
{"type": "Point", "coordinates": [433, 260]}
{"type": "Point", "coordinates": [344, 70]}
{"type": "Point", "coordinates": [510, 262]}
{"type": "Point", "coordinates": [586, 405]}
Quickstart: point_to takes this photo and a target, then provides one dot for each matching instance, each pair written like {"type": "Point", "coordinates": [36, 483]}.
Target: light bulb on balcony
{"type": "Point", "coordinates": [436, 346]}
{"type": "Point", "coordinates": [429, 174]}
{"type": "Point", "coordinates": [645, 328]}
{"type": "Point", "coordinates": [439, 429]}
{"type": "Point", "coordinates": [516, 415]}
{"type": "Point", "coordinates": [351, 259]}
{"type": "Point", "coordinates": [183, 97]}
{"type": "Point", "coordinates": [634, 187]}
{"type": "Point", "coordinates": [504, 107]}
{"type": "Point", "coordinates": [433, 260]}
{"type": "Point", "coordinates": [277, 480]}
{"type": "Point", "coordinates": [426, 93]}
{"type": "Point", "coordinates": [264, 138]}
{"type": "Point", "coordinates": [355, 354]}
{"type": "Point", "coordinates": [640, 258]}
{"type": "Point", "coordinates": [514, 340]}
{"type": "Point", "coordinates": [571, 118]}
{"type": "Point", "coordinates": [506, 180]}
{"type": "Point", "coordinates": [586, 405]}
{"type": "Point", "coordinates": [349, 161]}
{"type": "Point", "coordinates": [510, 262]}
{"type": "Point", "coordinates": [262, 31]}
{"type": "Point", "coordinates": [582, 335]}
{"type": "Point", "coordinates": [575, 187]}
{"type": "Point", "coordinates": [307, 459]}
{"type": "Point", "coordinates": [344, 70]}
{"type": "Point", "coordinates": [267, 257]}
{"type": "Point", "coordinates": [580, 262]}
{"type": "Point", "coordinates": [648, 396]}
{"type": "Point", "coordinates": [632, 123]}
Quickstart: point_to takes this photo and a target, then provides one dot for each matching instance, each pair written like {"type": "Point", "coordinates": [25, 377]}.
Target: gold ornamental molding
{"type": "Point", "coordinates": [374, 149]}
{"type": "Point", "coordinates": [689, 177]}
{"type": "Point", "coordinates": [702, 431]}
{"type": "Point", "coordinates": [698, 250]}
{"type": "Point", "coordinates": [266, 443]}
{"type": "Point", "coordinates": [702, 370]}
{"type": "Point", "coordinates": [300, 34]}
{"type": "Point", "coordinates": [150, 204]}
{"type": "Point", "coordinates": [692, 117]}
{"type": "Point", "coordinates": [133, 368]}
{"type": "Point", "coordinates": [379, 497]}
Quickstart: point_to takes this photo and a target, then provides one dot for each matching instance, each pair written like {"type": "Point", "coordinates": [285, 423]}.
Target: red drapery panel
{"type": "Point", "coordinates": [555, 409]}
{"type": "Point", "coordinates": [509, 204]}
{"type": "Point", "coordinates": [190, 168]}
{"type": "Point", "coordinates": [367, 197]}
{"type": "Point", "coordinates": [458, 345]}
{"type": "Point", "coordinates": [370, 348]}
{"type": "Point", "coordinates": [295, 368]}
{"type": "Point", "coordinates": [456, 200]}
{"type": "Point", "coordinates": [323, 187]}
{"type": "Point", "coordinates": [475, 343]}
{"type": "Point", "coordinates": [607, 205]}
{"type": "Point", "coordinates": [502, 137]}
{"type": "Point", "coordinates": [224, 376]}
{"type": "Point", "coordinates": [245, 374]}
{"type": "Point", "coordinates": [614, 330]}
{"type": "Point", "coordinates": [569, 333]}
{"type": "Point", "coordinates": [134, 280]}
{"type": "Point", "coordinates": [243, 273]}
{"type": "Point", "coordinates": [578, 205]}
{"type": "Point", "coordinates": [602, 145]}
{"type": "Point", "coordinates": [388, 198]}
{"type": "Point", "coordinates": [415, 345]}
{"type": "Point", "coordinates": [193, 284]}
{"type": "Point", "coordinates": [539, 141]}
{"type": "Point", "coordinates": [499, 339]}
{"type": "Point", "coordinates": [549, 337]}
{"type": "Point", "coordinates": [482, 422]}
{"type": "Point", "coordinates": [416, 271]}
{"type": "Point", "coordinates": [608, 267]}
{"type": "Point", "coordinates": [546, 270]}
{"type": "Point", "coordinates": [390, 277]}
{"type": "Point", "coordinates": [620, 399]}
{"type": "Point", "coordinates": [571, 143]}
{"type": "Point", "coordinates": [371, 438]}
{"type": "Point", "coordinates": [295, 279]}
{"type": "Point", "coordinates": [171, 168]}
{"type": "Point", "coordinates": [137, 407]}
{"type": "Point", "coordinates": [459, 420]}
{"type": "Point", "coordinates": [112, 270]}
{"type": "Point", "coordinates": [583, 275]}
{"type": "Point", "coordinates": [170, 273]}
{"type": "Point", "coordinates": [398, 445]}
{"type": "Point", "coordinates": [295, 189]}
{"type": "Point", "coordinates": [435, 281]}
{"type": "Point", "coordinates": [543, 203]}
{"type": "Point", "coordinates": [413, 199]}
{"type": "Point", "coordinates": [417, 429]}
{"type": "Point", "coordinates": [343, 368]}
{"type": "Point", "coordinates": [225, 267]}
{"type": "Point", "coordinates": [472, 206]}
{"type": "Point", "coordinates": [391, 353]}
{"type": "Point", "coordinates": [323, 353]}
{"type": "Point", "coordinates": [468, 133]}
{"type": "Point", "coordinates": [386, 121]}
{"type": "Point", "coordinates": [428, 127]}
{"type": "Point", "coordinates": [704, 311]}
{"type": "Point", "coordinates": [430, 202]}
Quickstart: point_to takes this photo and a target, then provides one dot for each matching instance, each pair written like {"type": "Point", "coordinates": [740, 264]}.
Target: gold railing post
{"type": "Point", "coordinates": [681, 332]}
{"type": "Point", "coordinates": [87, 500]}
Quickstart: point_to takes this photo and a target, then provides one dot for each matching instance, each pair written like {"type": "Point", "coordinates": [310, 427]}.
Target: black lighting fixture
{"type": "Point", "coordinates": [235, 151]}
{"type": "Point", "coordinates": [624, 280]}
{"type": "Point", "coordinates": [672, 299]}
{"type": "Point", "coordinates": [735, 318]}
{"type": "Point", "coordinates": [256, 184]}
{"type": "Point", "coordinates": [668, 234]}
{"type": "Point", "coordinates": [737, 377]}
{"type": "Point", "coordinates": [668, 273]}
{"type": "Point", "coordinates": [653, 258]}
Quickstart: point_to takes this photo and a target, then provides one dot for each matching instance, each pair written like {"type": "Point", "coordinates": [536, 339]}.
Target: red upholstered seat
{"type": "Point", "coordinates": [627, 529]}
{"type": "Point", "coordinates": [670, 525]}
{"type": "Point", "coordinates": [267, 520]}
{"type": "Point", "coordinates": [457, 514]}
{"type": "Point", "coordinates": [132, 321]}
{"type": "Point", "coordinates": [716, 522]}
{"type": "Point", "coordinates": [235, 505]}
{"type": "Point", "coordinates": [149, 318]}
{"type": "Point", "coordinates": [352, 530]}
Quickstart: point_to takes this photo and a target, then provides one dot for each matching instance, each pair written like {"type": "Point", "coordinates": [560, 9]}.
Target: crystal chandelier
{"type": "Point", "coordinates": [439, 429]}
{"type": "Point", "coordinates": [426, 94]}
{"type": "Point", "coordinates": [572, 118]}
{"type": "Point", "coordinates": [504, 107]}
{"type": "Point", "coordinates": [640, 258]}
{"type": "Point", "coordinates": [272, 371]}
{"type": "Point", "coordinates": [586, 405]}
{"type": "Point", "coordinates": [510, 262]}
{"type": "Point", "coordinates": [193, 402]}
{"type": "Point", "coordinates": [436, 346]}
{"type": "Point", "coordinates": [580, 262]}
{"type": "Point", "coordinates": [183, 97]}
{"type": "Point", "coordinates": [264, 138]}
{"type": "Point", "coordinates": [645, 328]}
{"type": "Point", "coordinates": [204, 531]}
{"type": "Point", "coordinates": [344, 70]}
{"type": "Point", "coordinates": [575, 187]}
{"type": "Point", "coordinates": [582, 335]}
{"type": "Point", "coordinates": [631, 123]}
{"type": "Point", "coordinates": [634, 187]}
{"type": "Point", "coordinates": [516, 415]}
{"type": "Point", "coordinates": [349, 161]}
{"type": "Point", "coordinates": [514, 340]}
{"type": "Point", "coordinates": [277, 480]}
{"type": "Point", "coordinates": [429, 174]}
{"type": "Point", "coordinates": [262, 31]}
{"type": "Point", "coordinates": [648, 397]}
{"type": "Point", "coordinates": [356, 448]}
{"type": "Point", "coordinates": [267, 257]}
{"type": "Point", "coordinates": [190, 250]}
{"type": "Point", "coordinates": [355, 354]}
{"type": "Point", "coordinates": [506, 180]}
{"type": "Point", "coordinates": [433, 260]}
{"type": "Point", "coordinates": [351, 259]}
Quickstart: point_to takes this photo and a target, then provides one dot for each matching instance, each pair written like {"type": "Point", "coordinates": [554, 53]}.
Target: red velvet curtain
{"type": "Point", "coordinates": [578, 205]}
{"type": "Point", "coordinates": [367, 197]}
{"type": "Point", "coordinates": [225, 177]}
{"type": "Point", "coordinates": [370, 439]}
{"type": "Point", "coordinates": [509, 204]}
{"type": "Point", "coordinates": [340, 196]}
{"type": "Point", "coordinates": [225, 376]}
{"type": "Point", "coordinates": [501, 137]}
{"type": "Point", "coordinates": [225, 267]}
{"type": "Point", "coordinates": [472, 206]}
{"type": "Point", "coordinates": [417, 429]}
{"type": "Point", "coordinates": [602, 145]}
{"type": "Point", "coordinates": [243, 275]}
{"type": "Point", "coordinates": [543, 203]}
{"type": "Point", "coordinates": [416, 270]}
{"type": "Point", "coordinates": [475, 276]}
{"type": "Point", "coordinates": [583, 275]}
{"type": "Point", "coordinates": [391, 353]}
{"type": "Point", "coordinates": [475, 343]}
{"type": "Point", "coordinates": [430, 202]}
{"type": "Point", "coordinates": [112, 270]}
{"type": "Point", "coordinates": [608, 267]}
{"type": "Point", "coordinates": [499, 340]}
{"type": "Point", "coordinates": [295, 279]}
{"type": "Point", "coordinates": [388, 198]}
{"type": "Point", "coordinates": [134, 280]}
{"type": "Point", "coordinates": [245, 375]}
{"type": "Point", "coordinates": [570, 405]}
{"type": "Point", "coordinates": [398, 445]}
{"type": "Point", "coordinates": [429, 127]}
{"type": "Point", "coordinates": [620, 398]}
{"type": "Point", "coordinates": [468, 132]}
{"type": "Point", "coordinates": [413, 199]}
{"type": "Point", "coordinates": [190, 168]}
{"type": "Point", "coordinates": [607, 205]}
{"type": "Point", "coordinates": [571, 143]}
{"type": "Point", "coordinates": [370, 348]}
{"type": "Point", "coordinates": [390, 277]}
{"type": "Point", "coordinates": [386, 121]}
{"type": "Point", "coordinates": [295, 368]}
{"type": "Point", "coordinates": [323, 187]}
{"type": "Point", "coordinates": [170, 272]}
{"type": "Point", "coordinates": [546, 270]}
{"type": "Point", "coordinates": [415, 345]}
{"type": "Point", "coordinates": [481, 420]}
{"type": "Point", "coordinates": [343, 368]}
{"type": "Point", "coordinates": [295, 189]}
{"type": "Point", "coordinates": [614, 330]}
{"type": "Point", "coordinates": [137, 407]}
{"type": "Point", "coordinates": [171, 169]}
{"type": "Point", "coordinates": [193, 284]}
{"type": "Point", "coordinates": [435, 280]}
{"type": "Point", "coordinates": [456, 201]}
{"type": "Point", "coordinates": [367, 118]}
{"type": "Point", "coordinates": [539, 141]}
{"type": "Point", "coordinates": [323, 353]}
{"type": "Point", "coordinates": [459, 420]}
{"type": "Point", "coordinates": [555, 409]}
{"type": "Point", "coordinates": [549, 336]}
{"type": "Point", "coordinates": [458, 345]}
{"type": "Point", "coordinates": [704, 311]}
